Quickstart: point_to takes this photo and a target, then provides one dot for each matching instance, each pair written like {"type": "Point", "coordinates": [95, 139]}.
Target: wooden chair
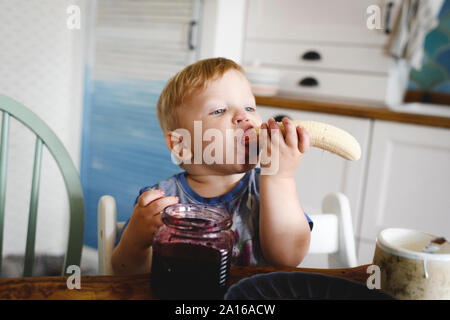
{"type": "Point", "coordinates": [332, 232]}
{"type": "Point", "coordinates": [44, 137]}
{"type": "Point", "coordinates": [108, 231]}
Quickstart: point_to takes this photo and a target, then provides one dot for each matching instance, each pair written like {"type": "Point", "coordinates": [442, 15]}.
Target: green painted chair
{"type": "Point", "coordinates": [44, 137]}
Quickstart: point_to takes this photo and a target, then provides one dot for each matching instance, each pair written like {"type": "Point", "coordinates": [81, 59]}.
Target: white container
{"type": "Point", "coordinates": [263, 81]}
{"type": "Point", "coordinates": [412, 265]}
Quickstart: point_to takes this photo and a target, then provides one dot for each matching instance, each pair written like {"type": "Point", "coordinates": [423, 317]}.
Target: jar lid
{"type": "Point", "coordinates": [414, 244]}
{"type": "Point", "coordinates": [196, 217]}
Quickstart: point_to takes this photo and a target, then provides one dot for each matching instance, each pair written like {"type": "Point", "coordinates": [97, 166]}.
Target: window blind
{"type": "Point", "coordinates": [144, 39]}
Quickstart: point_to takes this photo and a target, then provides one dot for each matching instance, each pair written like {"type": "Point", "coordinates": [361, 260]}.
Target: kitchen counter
{"type": "Point", "coordinates": [415, 114]}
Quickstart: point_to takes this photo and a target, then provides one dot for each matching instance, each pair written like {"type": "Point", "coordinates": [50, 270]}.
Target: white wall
{"type": "Point", "coordinates": [223, 30]}
{"type": "Point", "coordinates": [41, 66]}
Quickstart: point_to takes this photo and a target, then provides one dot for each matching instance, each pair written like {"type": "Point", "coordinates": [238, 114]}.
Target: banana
{"type": "Point", "coordinates": [329, 138]}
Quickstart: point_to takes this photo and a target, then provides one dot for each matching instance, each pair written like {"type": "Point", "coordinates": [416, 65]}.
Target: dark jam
{"type": "Point", "coordinates": [189, 271]}
{"type": "Point", "coordinates": [191, 254]}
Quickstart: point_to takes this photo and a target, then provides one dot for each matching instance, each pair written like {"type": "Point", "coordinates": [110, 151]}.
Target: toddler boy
{"type": "Point", "coordinates": [269, 224]}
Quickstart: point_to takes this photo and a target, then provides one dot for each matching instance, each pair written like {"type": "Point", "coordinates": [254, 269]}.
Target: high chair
{"type": "Point", "coordinates": [332, 232]}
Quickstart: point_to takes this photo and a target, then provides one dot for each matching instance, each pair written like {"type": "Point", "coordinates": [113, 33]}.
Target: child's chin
{"type": "Point", "coordinates": [240, 168]}
{"type": "Point", "coordinates": [231, 168]}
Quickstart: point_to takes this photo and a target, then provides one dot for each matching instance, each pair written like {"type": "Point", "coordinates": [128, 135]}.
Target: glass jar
{"type": "Point", "coordinates": [192, 253]}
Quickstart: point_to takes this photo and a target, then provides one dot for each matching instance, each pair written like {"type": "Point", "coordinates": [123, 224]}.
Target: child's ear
{"type": "Point", "coordinates": [179, 145]}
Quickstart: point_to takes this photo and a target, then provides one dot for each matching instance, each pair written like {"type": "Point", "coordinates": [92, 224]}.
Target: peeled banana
{"type": "Point", "coordinates": [329, 138]}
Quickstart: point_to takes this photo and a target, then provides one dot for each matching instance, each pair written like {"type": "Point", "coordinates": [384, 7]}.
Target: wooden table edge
{"type": "Point", "coordinates": [137, 287]}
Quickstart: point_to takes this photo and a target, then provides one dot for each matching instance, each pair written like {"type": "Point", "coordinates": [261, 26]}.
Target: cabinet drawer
{"type": "Point", "coordinates": [343, 21]}
{"type": "Point", "coordinates": [330, 57]}
{"type": "Point", "coordinates": [340, 85]}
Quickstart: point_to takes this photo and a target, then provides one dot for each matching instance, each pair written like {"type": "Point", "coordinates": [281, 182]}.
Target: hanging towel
{"type": "Point", "coordinates": [413, 21]}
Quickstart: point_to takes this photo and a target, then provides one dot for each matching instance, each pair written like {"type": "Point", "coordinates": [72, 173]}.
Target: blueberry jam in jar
{"type": "Point", "coordinates": [192, 253]}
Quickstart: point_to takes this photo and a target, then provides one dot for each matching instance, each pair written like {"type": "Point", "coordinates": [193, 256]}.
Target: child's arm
{"type": "Point", "coordinates": [284, 229]}
{"type": "Point", "coordinates": [133, 253]}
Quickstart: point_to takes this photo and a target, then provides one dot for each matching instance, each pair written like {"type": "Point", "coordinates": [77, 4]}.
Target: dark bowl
{"type": "Point", "coordinates": [301, 286]}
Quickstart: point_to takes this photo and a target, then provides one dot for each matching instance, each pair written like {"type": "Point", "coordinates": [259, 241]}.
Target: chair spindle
{"type": "Point", "coordinates": [32, 217]}
{"type": "Point", "coordinates": [3, 166]}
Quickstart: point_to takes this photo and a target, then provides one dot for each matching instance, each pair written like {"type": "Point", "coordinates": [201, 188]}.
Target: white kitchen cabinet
{"type": "Point", "coordinates": [408, 182]}
{"type": "Point", "coordinates": [323, 49]}
{"type": "Point", "coordinates": [333, 85]}
{"type": "Point", "coordinates": [402, 179]}
{"type": "Point", "coordinates": [321, 172]}
{"type": "Point", "coordinates": [342, 21]}
{"type": "Point", "coordinates": [322, 56]}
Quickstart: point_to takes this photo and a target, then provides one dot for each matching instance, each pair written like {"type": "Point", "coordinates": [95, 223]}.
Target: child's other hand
{"type": "Point", "coordinates": [291, 147]}
{"type": "Point", "coordinates": [146, 217]}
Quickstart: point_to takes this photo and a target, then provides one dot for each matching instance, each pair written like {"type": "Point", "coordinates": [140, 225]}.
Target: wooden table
{"type": "Point", "coordinates": [134, 286]}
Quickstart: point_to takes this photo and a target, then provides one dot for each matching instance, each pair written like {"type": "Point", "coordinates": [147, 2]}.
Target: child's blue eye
{"type": "Point", "coordinates": [218, 111]}
{"type": "Point", "coordinates": [249, 109]}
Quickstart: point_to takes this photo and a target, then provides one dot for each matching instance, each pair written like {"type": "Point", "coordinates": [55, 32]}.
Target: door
{"type": "Point", "coordinates": [408, 183]}
{"type": "Point", "coordinates": [134, 48]}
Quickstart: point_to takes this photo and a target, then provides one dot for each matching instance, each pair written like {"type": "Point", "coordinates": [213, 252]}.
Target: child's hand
{"type": "Point", "coordinates": [146, 218]}
{"type": "Point", "coordinates": [290, 147]}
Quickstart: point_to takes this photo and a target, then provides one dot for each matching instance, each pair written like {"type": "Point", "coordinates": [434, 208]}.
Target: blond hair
{"type": "Point", "coordinates": [184, 83]}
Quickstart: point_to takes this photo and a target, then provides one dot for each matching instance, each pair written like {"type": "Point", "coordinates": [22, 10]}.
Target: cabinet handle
{"type": "Point", "coordinates": [308, 82]}
{"type": "Point", "coordinates": [280, 117]}
{"type": "Point", "coordinates": [191, 27]}
{"type": "Point", "coordinates": [311, 56]}
{"type": "Point", "coordinates": [387, 28]}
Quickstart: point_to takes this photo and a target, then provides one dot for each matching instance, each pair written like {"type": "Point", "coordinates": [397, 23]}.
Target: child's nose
{"type": "Point", "coordinates": [239, 117]}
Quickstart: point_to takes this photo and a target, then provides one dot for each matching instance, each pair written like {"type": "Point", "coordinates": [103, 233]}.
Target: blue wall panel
{"type": "Point", "coordinates": [123, 146]}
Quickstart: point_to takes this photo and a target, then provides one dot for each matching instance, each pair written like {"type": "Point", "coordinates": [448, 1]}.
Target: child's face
{"type": "Point", "coordinates": [227, 105]}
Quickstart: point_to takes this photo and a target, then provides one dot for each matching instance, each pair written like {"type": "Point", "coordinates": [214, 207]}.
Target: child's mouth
{"type": "Point", "coordinates": [250, 139]}
{"type": "Point", "coordinates": [249, 136]}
